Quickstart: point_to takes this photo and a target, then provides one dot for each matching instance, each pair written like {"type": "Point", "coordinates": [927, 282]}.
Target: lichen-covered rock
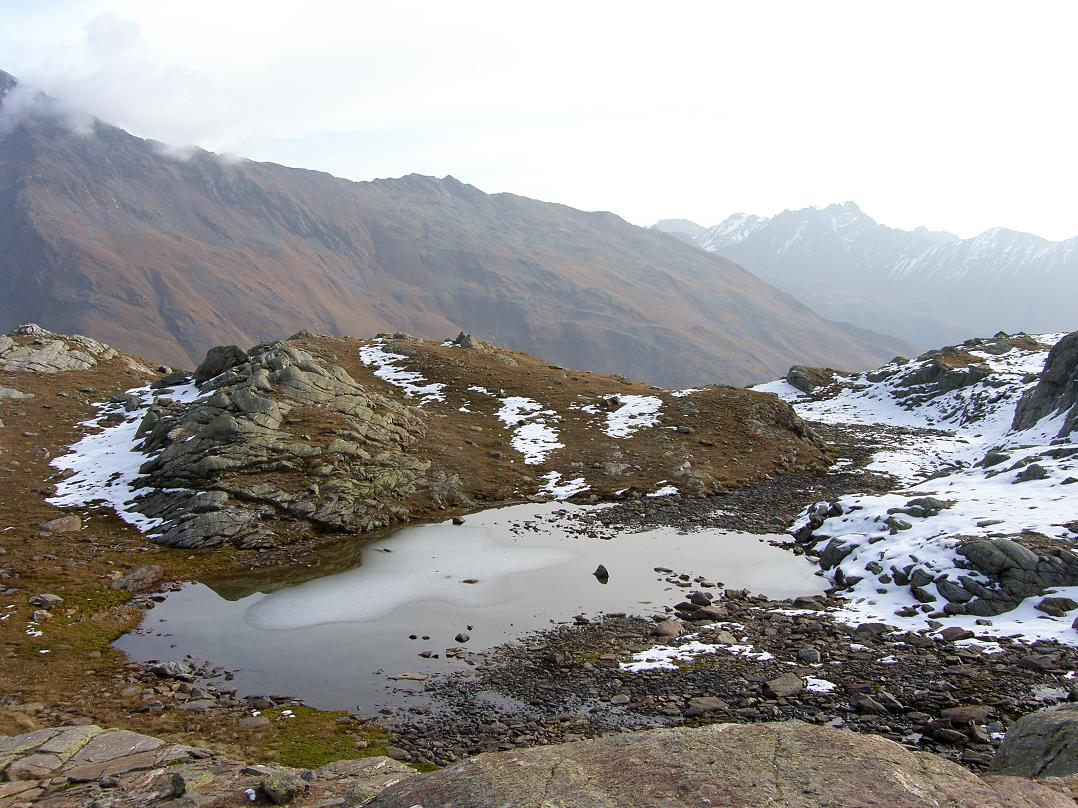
{"type": "Point", "coordinates": [278, 445]}
{"type": "Point", "coordinates": [790, 764]}
{"type": "Point", "coordinates": [1041, 744]}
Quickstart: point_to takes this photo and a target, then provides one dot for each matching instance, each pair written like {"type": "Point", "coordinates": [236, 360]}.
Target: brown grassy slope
{"type": "Point", "coordinates": [103, 235]}
{"type": "Point", "coordinates": [727, 436]}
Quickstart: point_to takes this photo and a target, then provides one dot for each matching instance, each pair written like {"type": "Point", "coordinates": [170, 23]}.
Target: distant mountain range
{"type": "Point", "coordinates": [117, 237]}
{"type": "Point", "coordinates": [923, 286]}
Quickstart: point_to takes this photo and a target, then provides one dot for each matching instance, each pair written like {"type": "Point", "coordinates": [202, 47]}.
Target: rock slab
{"type": "Point", "coordinates": [788, 764]}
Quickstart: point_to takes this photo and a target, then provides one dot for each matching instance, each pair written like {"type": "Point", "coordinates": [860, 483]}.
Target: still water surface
{"type": "Point", "coordinates": [333, 641]}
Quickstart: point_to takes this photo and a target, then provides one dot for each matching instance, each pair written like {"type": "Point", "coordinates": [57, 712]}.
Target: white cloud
{"type": "Point", "coordinates": [955, 115]}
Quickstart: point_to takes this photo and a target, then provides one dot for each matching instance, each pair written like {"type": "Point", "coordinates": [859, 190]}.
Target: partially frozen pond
{"type": "Point", "coordinates": [335, 640]}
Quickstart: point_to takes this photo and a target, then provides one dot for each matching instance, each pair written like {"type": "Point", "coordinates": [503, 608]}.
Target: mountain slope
{"type": "Point", "coordinates": [103, 233]}
{"type": "Point", "coordinates": [926, 287]}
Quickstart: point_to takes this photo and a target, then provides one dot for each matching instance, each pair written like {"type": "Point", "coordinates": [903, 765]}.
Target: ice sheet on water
{"type": "Point", "coordinates": [417, 570]}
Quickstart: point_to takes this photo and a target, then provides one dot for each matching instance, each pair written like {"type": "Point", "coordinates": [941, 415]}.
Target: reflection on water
{"type": "Point", "coordinates": [333, 640]}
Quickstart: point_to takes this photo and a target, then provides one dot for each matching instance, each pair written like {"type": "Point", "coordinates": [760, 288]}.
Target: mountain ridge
{"type": "Point", "coordinates": [108, 234]}
{"type": "Point", "coordinates": [927, 287]}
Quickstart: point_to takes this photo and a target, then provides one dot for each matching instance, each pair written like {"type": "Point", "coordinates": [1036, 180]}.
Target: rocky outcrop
{"type": "Point", "coordinates": [808, 379]}
{"type": "Point", "coordinates": [1057, 391]}
{"type": "Point", "coordinates": [277, 445]}
{"type": "Point", "coordinates": [1003, 571]}
{"type": "Point", "coordinates": [939, 373]}
{"type": "Point", "coordinates": [789, 764]}
{"type": "Point", "coordinates": [64, 767]}
{"type": "Point", "coordinates": [31, 348]}
{"type": "Point", "coordinates": [1016, 569]}
{"type": "Point", "coordinates": [218, 360]}
{"type": "Point", "coordinates": [1041, 744]}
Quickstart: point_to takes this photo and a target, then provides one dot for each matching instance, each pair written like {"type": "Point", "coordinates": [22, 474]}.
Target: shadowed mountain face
{"type": "Point", "coordinates": [106, 234]}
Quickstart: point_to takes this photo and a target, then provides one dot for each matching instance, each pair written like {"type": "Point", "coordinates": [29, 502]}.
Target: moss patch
{"type": "Point", "coordinates": [314, 738]}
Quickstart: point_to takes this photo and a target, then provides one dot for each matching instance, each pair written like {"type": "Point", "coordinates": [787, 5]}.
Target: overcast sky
{"type": "Point", "coordinates": [956, 115]}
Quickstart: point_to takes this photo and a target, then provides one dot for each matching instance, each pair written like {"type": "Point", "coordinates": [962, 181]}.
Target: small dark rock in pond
{"type": "Point", "coordinates": [470, 581]}
{"type": "Point", "coordinates": [699, 598]}
{"type": "Point", "coordinates": [462, 637]}
{"type": "Point", "coordinates": [458, 520]}
{"type": "Point", "coordinates": [601, 573]}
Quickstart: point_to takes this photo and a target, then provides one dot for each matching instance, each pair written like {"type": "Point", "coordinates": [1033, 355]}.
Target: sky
{"type": "Point", "coordinates": [955, 115]}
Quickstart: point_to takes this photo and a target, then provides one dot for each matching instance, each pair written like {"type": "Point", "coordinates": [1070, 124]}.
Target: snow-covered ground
{"type": "Point", "coordinates": [388, 368]}
{"type": "Point", "coordinates": [559, 490]}
{"type": "Point", "coordinates": [985, 502]}
{"type": "Point", "coordinates": [666, 657]}
{"type": "Point", "coordinates": [634, 414]}
{"type": "Point", "coordinates": [105, 463]}
{"type": "Point", "coordinates": [533, 433]}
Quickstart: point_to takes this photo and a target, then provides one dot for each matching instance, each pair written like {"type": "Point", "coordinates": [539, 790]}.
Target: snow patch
{"type": "Point", "coordinates": [106, 462]}
{"type": "Point", "coordinates": [388, 368]}
{"type": "Point", "coordinates": [559, 490]}
{"type": "Point", "coordinates": [634, 414]}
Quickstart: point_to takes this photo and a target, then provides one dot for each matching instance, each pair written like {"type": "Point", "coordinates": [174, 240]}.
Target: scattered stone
{"type": "Point", "coordinates": [45, 600]}
{"type": "Point", "coordinates": [70, 523]}
{"type": "Point", "coordinates": [789, 684]}
{"type": "Point", "coordinates": [140, 578]}
{"type": "Point", "coordinates": [1057, 606]}
{"type": "Point", "coordinates": [703, 705]}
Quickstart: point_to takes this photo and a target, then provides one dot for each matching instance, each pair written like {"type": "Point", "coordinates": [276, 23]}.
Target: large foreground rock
{"type": "Point", "coordinates": [1041, 744]}
{"type": "Point", "coordinates": [791, 764]}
